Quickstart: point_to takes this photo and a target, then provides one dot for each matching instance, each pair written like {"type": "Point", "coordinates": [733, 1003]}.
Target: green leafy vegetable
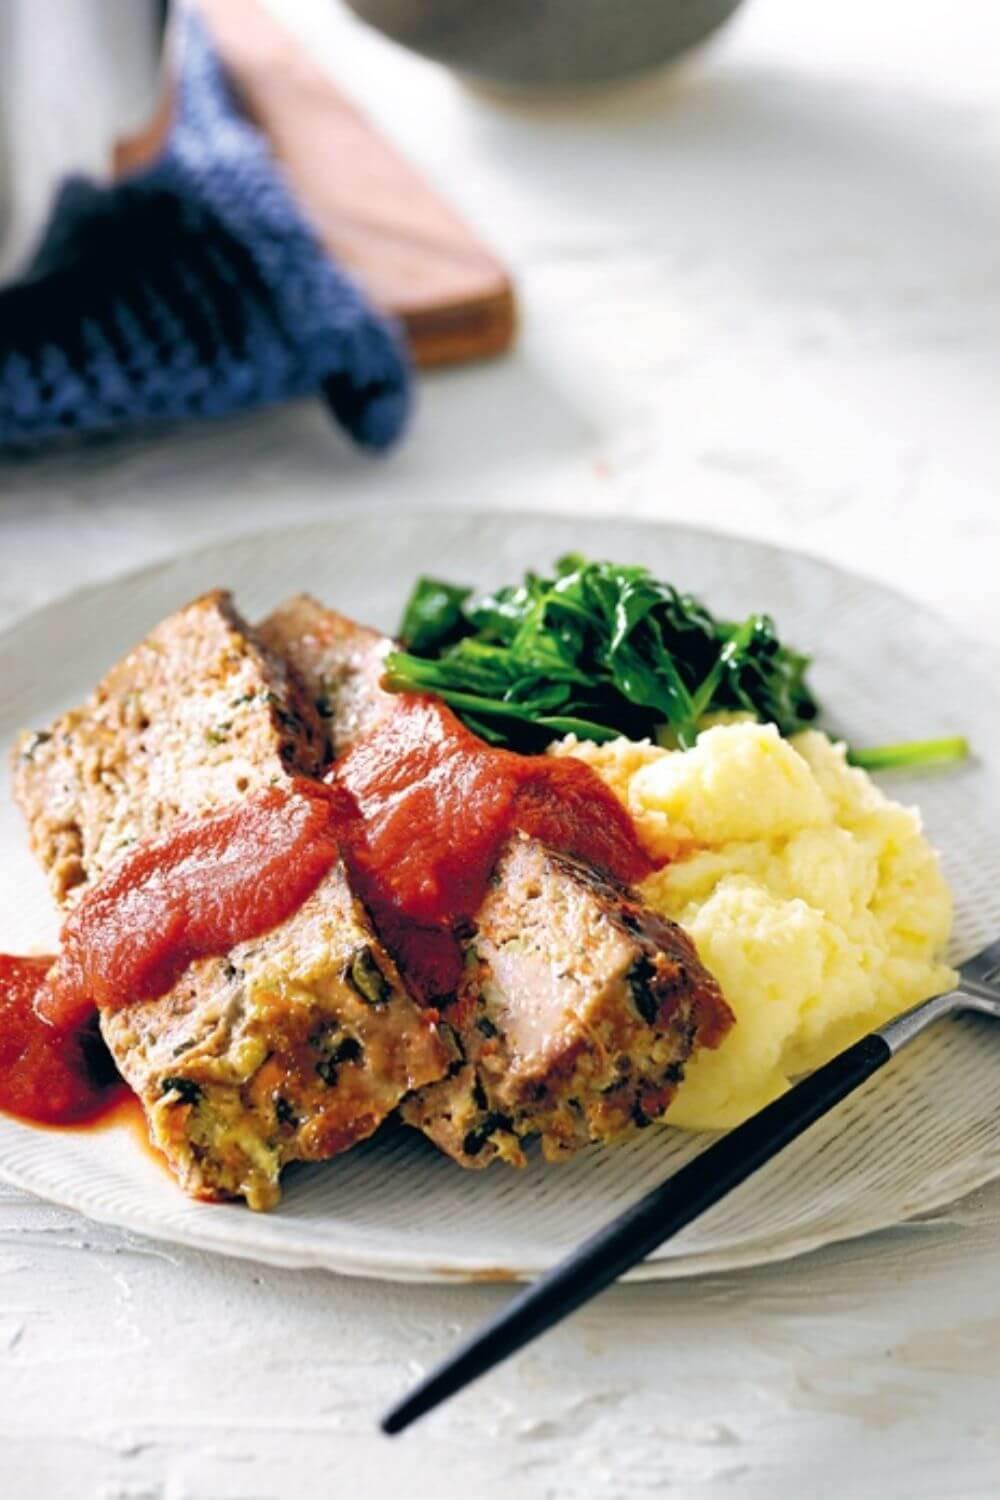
{"type": "Point", "coordinates": [911, 753]}
{"type": "Point", "coordinates": [597, 650]}
{"type": "Point", "coordinates": [433, 615]}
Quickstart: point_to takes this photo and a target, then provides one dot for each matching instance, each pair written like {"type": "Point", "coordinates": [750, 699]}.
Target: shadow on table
{"type": "Point", "coordinates": [815, 185]}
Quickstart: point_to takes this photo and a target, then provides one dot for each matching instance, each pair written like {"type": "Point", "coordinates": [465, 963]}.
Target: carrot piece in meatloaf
{"type": "Point", "coordinates": [578, 1006]}
{"type": "Point", "coordinates": [293, 1045]}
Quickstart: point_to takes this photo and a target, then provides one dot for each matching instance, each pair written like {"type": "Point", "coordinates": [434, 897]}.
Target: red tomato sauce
{"type": "Point", "coordinates": [47, 1075]}
{"type": "Point", "coordinates": [208, 884]}
{"type": "Point", "coordinates": [197, 891]}
{"type": "Point", "coordinates": [435, 804]}
{"type": "Point", "coordinates": [419, 809]}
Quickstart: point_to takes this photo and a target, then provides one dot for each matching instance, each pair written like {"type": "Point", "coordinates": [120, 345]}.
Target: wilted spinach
{"type": "Point", "coordinates": [596, 649]}
{"type": "Point", "coordinates": [600, 649]}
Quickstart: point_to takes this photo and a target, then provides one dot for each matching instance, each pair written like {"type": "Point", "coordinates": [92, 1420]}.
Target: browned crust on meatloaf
{"type": "Point", "coordinates": [626, 996]}
{"type": "Point", "coordinates": [292, 1046]}
{"type": "Point", "coordinates": [196, 715]}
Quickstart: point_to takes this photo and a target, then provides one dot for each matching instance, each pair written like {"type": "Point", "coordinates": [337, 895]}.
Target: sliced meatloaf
{"type": "Point", "coordinates": [577, 1012]}
{"type": "Point", "coordinates": [197, 714]}
{"type": "Point", "coordinates": [338, 662]}
{"type": "Point", "coordinates": [578, 1007]}
{"type": "Point", "coordinates": [293, 1045]}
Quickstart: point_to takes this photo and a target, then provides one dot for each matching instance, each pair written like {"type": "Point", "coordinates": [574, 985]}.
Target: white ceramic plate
{"type": "Point", "coordinates": [922, 1133]}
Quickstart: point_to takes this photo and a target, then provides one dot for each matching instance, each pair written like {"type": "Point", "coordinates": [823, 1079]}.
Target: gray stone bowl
{"type": "Point", "coordinates": [542, 44]}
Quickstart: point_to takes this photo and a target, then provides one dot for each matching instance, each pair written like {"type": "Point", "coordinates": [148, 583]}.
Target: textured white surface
{"type": "Point", "coordinates": [762, 296]}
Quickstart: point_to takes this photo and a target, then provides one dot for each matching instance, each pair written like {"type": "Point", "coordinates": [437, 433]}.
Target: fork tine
{"type": "Point", "coordinates": [985, 967]}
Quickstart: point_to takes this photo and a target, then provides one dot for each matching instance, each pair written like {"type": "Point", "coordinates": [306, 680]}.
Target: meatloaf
{"type": "Point", "coordinates": [578, 1007]}
{"type": "Point", "coordinates": [194, 716]}
{"type": "Point", "coordinates": [293, 1045]}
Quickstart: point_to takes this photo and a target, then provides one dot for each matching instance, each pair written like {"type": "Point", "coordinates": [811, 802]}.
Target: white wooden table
{"type": "Point", "coordinates": [762, 295]}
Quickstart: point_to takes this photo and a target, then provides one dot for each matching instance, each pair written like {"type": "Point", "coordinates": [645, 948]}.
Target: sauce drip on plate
{"type": "Point", "coordinates": [420, 810]}
{"type": "Point", "coordinates": [48, 1075]}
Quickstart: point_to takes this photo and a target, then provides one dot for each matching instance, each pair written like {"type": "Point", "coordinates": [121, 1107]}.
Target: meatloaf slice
{"type": "Point", "coordinates": [196, 715]}
{"type": "Point", "coordinates": [577, 1011]}
{"type": "Point", "coordinates": [578, 1007]}
{"type": "Point", "coordinates": [339, 663]}
{"type": "Point", "coordinates": [293, 1045]}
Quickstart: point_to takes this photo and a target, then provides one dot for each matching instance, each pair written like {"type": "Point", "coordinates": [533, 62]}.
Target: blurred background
{"type": "Point", "coordinates": [753, 287]}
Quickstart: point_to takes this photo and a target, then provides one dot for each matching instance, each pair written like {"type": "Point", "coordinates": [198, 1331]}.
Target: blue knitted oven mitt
{"type": "Point", "coordinates": [193, 289]}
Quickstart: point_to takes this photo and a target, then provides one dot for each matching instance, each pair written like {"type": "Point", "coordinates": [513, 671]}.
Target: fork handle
{"type": "Point", "coordinates": [658, 1216]}
{"type": "Point", "coordinates": [666, 1210]}
{"type": "Point", "coordinates": [898, 1032]}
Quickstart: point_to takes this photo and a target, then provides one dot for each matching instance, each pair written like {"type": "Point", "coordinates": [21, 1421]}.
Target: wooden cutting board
{"type": "Point", "coordinates": [374, 212]}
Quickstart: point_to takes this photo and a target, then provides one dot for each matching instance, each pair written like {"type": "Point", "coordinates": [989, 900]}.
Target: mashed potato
{"type": "Point", "coordinates": [815, 900]}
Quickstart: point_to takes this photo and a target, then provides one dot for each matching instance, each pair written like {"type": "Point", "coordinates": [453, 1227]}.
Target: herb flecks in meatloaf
{"type": "Point", "coordinates": [578, 1007]}
{"type": "Point", "coordinates": [268, 1054]}
{"type": "Point", "coordinates": [577, 1011]}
